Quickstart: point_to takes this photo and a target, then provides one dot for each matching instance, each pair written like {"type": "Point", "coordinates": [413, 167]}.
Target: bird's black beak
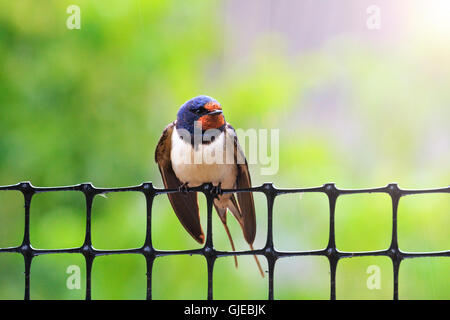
{"type": "Point", "coordinates": [214, 112]}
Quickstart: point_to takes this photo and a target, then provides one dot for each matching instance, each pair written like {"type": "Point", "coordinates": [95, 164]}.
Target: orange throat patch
{"type": "Point", "coordinates": [212, 121]}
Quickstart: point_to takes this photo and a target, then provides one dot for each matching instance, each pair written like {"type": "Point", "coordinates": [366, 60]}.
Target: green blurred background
{"type": "Point", "coordinates": [355, 106]}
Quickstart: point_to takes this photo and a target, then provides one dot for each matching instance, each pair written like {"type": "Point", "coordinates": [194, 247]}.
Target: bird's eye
{"type": "Point", "coordinates": [198, 111]}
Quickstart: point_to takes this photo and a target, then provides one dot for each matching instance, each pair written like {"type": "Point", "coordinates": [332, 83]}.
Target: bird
{"type": "Point", "coordinates": [198, 148]}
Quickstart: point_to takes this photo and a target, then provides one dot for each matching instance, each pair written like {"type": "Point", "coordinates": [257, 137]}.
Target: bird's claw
{"type": "Point", "coordinates": [183, 188]}
{"type": "Point", "coordinates": [216, 191]}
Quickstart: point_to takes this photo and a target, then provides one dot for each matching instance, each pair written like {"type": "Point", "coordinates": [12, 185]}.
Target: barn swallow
{"type": "Point", "coordinates": [189, 155]}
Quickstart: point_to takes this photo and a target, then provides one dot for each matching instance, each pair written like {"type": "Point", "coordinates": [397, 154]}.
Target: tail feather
{"type": "Point", "coordinates": [233, 206]}
{"type": "Point", "coordinates": [257, 261]}
{"type": "Point", "coordinates": [223, 217]}
{"type": "Point", "coordinates": [231, 241]}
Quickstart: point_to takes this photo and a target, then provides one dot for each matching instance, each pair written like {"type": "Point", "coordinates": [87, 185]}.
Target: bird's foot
{"type": "Point", "coordinates": [184, 188]}
{"type": "Point", "coordinates": [216, 191]}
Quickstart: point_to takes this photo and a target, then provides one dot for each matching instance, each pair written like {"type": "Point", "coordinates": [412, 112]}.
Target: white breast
{"type": "Point", "coordinates": [209, 163]}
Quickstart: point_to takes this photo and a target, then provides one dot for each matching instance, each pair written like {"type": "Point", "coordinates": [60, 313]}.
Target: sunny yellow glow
{"type": "Point", "coordinates": [432, 18]}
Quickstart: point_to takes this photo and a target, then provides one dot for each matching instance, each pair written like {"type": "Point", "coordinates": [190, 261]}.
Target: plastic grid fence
{"type": "Point", "coordinates": [208, 250]}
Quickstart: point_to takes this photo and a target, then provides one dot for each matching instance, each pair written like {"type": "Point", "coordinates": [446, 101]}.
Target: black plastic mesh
{"type": "Point", "coordinates": [208, 250]}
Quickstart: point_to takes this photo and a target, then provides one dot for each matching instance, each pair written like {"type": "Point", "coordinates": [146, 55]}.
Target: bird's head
{"type": "Point", "coordinates": [201, 110]}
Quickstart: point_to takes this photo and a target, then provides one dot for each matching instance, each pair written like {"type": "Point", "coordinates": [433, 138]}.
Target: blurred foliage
{"type": "Point", "coordinates": [90, 105]}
